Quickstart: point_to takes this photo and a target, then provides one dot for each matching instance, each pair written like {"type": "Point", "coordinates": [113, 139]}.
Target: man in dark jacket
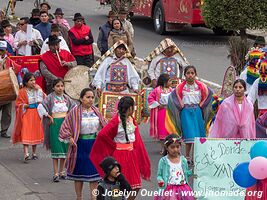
{"type": "Point", "coordinates": [102, 41]}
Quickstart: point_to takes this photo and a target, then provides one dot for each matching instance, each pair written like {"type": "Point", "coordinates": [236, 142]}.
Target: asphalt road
{"type": "Point", "coordinates": [202, 48]}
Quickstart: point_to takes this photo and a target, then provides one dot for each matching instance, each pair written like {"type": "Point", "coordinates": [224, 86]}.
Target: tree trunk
{"type": "Point", "coordinates": [243, 35]}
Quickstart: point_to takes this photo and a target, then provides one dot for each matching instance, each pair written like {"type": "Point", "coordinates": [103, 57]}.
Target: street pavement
{"type": "Point", "coordinates": [202, 48]}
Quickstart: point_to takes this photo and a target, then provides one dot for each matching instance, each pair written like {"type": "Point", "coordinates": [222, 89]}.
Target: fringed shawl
{"type": "Point", "coordinates": [105, 146]}
{"type": "Point", "coordinates": [48, 104]}
{"type": "Point", "coordinates": [70, 128]}
{"type": "Point", "coordinates": [175, 105]}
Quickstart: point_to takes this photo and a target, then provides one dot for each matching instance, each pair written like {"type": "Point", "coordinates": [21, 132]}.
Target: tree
{"type": "Point", "coordinates": [237, 16]}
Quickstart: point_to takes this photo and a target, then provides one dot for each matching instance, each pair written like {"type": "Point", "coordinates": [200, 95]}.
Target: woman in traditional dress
{"type": "Point", "coordinates": [28, 127]}
{"type": "Point", "coordinates": [188, 109]}
{"type": "Point", "coordinates": [121, 139]}
{"type": "Point", "coordinates": [158, 100]}
{"type": "Point", "coordinates": [80, 129]}
{"type": "Point", "coordinates": [54, 108]}
{"type": "Point", "coordinates": [235, 117]}
{"type": "Point", "coordinates": [117, 33]}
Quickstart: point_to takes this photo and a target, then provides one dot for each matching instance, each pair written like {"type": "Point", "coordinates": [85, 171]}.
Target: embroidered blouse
{"type": "Point", "coordinates": [120, 137]}
{"type": "Point", "coordinates": [90, 123]}
{"type": "Point", "coordinates": [60, 105]}
{"type": "Point", "coordinates": [35, 96]}
{"type": "Point", "coordinates": [191, 94]}
{"type": "Point", "coordinates": [164, 98]}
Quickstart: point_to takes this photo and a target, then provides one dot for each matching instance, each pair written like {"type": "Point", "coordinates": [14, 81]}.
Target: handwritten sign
{"type": "Point", "coordinates": [215, 160]}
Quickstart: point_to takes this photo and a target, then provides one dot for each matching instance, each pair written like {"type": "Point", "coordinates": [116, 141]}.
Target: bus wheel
{"type": "Point", "coordinates": [159, 19]}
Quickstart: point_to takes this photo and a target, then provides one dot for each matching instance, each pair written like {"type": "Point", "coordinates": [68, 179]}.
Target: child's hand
{"type": "Point", "coordinates": [161, 183]}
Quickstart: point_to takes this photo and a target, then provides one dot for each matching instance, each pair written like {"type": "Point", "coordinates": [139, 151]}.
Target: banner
{"type": "Point", "coordinates": [215, 160]}
{"type": "Point", "coordinates": [32, 64]}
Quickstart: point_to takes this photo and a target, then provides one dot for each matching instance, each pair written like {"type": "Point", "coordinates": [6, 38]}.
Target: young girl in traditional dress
{"type": "Point", "coordinates": [158, 100]}
{"type": "Point", "coordinates": [28, 127]}
{"type": "Point", "coordinates": [188, 109]}
{"type": "Point", "coordinates": [173, 171]}
{"type": "Point", "coordinates": [80, 129]}
{"type": "Point", "coordinates": [54, 108]}
{"type": "Point", "coordinates": [121, 139]}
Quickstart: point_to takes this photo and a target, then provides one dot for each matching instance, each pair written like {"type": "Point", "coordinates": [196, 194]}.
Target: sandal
{"type": "Point", "coordinates": [56, 178]}
{"type": "Point", "coordinates": [34, 157]}
{"type": "Point", "coordinates": [62, 175]}
{"type": "Point", "coordinates": [27, 158]}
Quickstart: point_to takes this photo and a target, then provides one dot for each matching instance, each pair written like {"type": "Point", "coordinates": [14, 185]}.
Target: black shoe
{"type": "Point", "coordinates": [55, 178]}
{"type": "Point", "coordinates": [62, 175]}
{"type": "Point", "coordinates": [34, 157]}
{"type": "Point", "coordinates": [4, 135]}
{"type": "Point", "coordinates": [27, 158]}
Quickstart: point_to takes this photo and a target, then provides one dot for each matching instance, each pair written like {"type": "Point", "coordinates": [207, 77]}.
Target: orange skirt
{"type": "Point", "coordinates": [32, 130]}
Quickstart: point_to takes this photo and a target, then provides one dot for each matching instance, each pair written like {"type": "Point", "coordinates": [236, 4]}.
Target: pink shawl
{"type": "Point", "coordinates": [230, 122]}
{"type": "Point", "coordinates": [153, 97]}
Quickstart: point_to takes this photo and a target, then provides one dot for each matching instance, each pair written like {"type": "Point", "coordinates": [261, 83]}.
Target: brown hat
{"type": "Point", "coordinates": [58, 12]}
{"type": "Point", "coordinates": [123, 11]}
{"type": "Point", "coordinates": [45, 3]}
{"type": "Point", "coordinates": [111, 14]}
{"type": "Point", "coordinates": [5, 23]}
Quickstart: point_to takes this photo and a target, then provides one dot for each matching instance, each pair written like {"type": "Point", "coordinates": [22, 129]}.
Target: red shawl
{"type": "Point", "coordinates": [105, 146]}
{"type": "Point", "coordinates": [10, 63]}
{"type": "Point", "coordinates": [71, 128]}
{"type": "Point", "coordinates": [53, 65]}
{"type": "Point", "coordinates": [21, 100]}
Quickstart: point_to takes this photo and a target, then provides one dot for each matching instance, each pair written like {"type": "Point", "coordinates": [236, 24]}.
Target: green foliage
{"type": "Point", "coordinates": [235, 14]}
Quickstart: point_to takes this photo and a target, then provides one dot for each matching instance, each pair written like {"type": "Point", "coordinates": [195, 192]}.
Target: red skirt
{"type": "Point", "coordinates": [129, 166]}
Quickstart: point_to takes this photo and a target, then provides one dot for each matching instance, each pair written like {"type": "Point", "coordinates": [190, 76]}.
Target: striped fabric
{"type": "Point", "coordinates": [71, 128]}
{"type": "Point", "coordinates": [164, 44]}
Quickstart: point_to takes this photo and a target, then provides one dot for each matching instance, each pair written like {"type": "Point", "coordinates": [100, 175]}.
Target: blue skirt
{"type": "Point", "coordinates": [84, 169]}
{"type": "Point", "coordinates": [192, 123]}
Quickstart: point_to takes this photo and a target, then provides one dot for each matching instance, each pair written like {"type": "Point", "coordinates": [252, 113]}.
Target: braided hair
{"type": "Point", "coordinates": [124, 104]}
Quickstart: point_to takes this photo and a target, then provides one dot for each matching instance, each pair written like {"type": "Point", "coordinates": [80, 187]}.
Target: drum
{"type": "Point", "coordinates": [9, 86]}
{"type": "Point", "coordinates": [76, 79]}
{"type": "Point", "coordinates": [108, 104]}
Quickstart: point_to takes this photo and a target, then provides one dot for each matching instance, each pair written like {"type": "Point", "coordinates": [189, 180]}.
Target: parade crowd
{"type": "Point", "coordinates": [111, 155]}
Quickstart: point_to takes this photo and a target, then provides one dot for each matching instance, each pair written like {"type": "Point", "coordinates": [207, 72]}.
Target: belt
{"type": "Point", "coordinates": [59, 115]}
{"type": "Point", "coordinates": [191, 105]}
{"type": "Point", "coordinates": [87, 136]}
{"type": "Point", "coordinates": [33, 105]}
{"type": "Point", "coordinates": [123, 146]}
{"type": "Point", "coordinates": [118, 87]}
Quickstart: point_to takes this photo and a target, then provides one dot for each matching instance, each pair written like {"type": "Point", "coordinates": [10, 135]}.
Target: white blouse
{"type": "Point", "coordinates": [120, 137]}
{"type": "Point", "coordinates": [176, 174]}
{"type": "Point", "coordinates": [60, 105]}
{"type": "Point", "coordinates": [191, 94]}
{"type": "Point", "coordinates": [35, 96]}
{"type": "Point", "coordinates": [164, 98]}
{"type": "Point", "coordinates": [90, 123]}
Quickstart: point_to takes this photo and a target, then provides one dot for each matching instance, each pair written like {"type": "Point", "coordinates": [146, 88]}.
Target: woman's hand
{"type": "Point", "coordinates": [51, 119]}
{"type": "Point", "coordinates": [25, 106]}
{"type": "Point", "coordinates": [72, 142]}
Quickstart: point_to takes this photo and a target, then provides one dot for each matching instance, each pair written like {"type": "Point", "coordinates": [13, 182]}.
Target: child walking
{"type": "Point", "coordinates": [54, 109]}
{"type": "Point", "coordinates": [173, 171]}
{"type": "Point", "coordinates": [113, 181]}
{"type": "Point", "coordinates": [158, 100]}
{"type": "Point", "coordinates": [28, 126]}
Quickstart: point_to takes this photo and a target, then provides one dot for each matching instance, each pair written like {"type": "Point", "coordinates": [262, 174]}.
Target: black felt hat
{"type": "Point", "coordinates": [78, 16]}
{"type": "Point", "coordinates": [260, 40]}
{"type": "Point", "coordinates": [59, 11]}
{"type": "Point", "coordinates": [108, 164]}
{"type": "Point", "coordinates": [53, 40]}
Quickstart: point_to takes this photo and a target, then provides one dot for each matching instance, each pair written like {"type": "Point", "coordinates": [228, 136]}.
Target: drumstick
{"type": "Point", "coordinates": [58, 57]}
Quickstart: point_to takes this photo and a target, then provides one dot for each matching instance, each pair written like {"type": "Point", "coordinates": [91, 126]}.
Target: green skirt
{"type": "Point", "coordinates": [58, 149]}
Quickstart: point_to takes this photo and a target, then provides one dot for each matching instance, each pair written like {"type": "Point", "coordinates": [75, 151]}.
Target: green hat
{"type": "Point", "coordinates": [260, 40]}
